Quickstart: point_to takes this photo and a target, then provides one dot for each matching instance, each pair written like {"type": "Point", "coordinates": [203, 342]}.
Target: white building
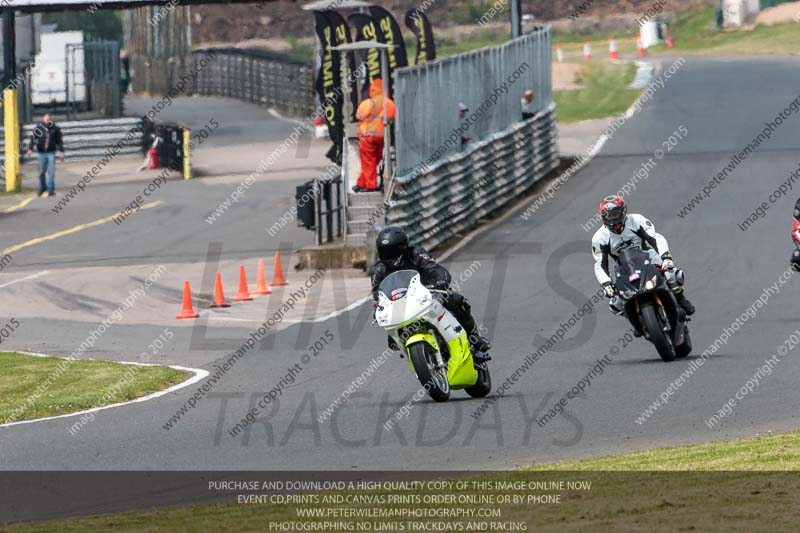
{"type": "Point", "coordinates": [739, 12]}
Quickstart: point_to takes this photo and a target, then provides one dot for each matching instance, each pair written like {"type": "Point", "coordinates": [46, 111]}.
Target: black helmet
{"type": "Point", "coordinates": [613, 211]}
{"type": "Point", "coordinates": [391, 244]}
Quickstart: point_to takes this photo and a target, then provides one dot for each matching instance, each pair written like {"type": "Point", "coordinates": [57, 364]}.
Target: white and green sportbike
{"type": "Point", "coordinates": [437, 345]}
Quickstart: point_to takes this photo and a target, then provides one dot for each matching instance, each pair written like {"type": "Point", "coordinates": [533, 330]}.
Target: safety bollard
{"type": "Point", "coordinates": [11, 126]}
{"type": "Point", "coordinates": [187, 154]}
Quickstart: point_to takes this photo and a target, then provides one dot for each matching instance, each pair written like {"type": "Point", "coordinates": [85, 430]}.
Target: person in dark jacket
{"type": "Point", "coordinates": [47, 139]}
{"type": "Point", "coordinates": [394, 254]}
{"type": "Point", "coordinates": [528, 110]}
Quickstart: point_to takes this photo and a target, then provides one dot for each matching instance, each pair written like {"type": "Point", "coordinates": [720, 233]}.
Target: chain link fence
{"type": "Point", "coordinates": [457, 169]}
{"type": "Point", "coordinates": [490, 82]}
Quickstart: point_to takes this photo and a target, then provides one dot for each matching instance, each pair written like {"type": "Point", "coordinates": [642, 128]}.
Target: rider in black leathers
{"type": "Point", "coordinates": [795, 261]}
{"type": "Point", "coordinates": [395, 254]}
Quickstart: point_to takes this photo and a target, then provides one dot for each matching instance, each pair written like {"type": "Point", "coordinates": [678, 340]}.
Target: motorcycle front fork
{"type": "Point", "coordinates": [439, 360]}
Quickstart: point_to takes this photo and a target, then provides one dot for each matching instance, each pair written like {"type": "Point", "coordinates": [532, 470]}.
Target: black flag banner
{"type": "Point", "coordinates": [389, 33]}
{"type": "Point", "coordinates": [328, 84]}
{"type": "Point", "coordinates": [364, 28]}
{"type": "Point", "coordinates": [341, 32]}
{"type": "Point", "coordinates": [418, 23]}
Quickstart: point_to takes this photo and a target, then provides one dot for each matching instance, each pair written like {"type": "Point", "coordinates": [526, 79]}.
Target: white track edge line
{"type": "Point", "coordinates": [199, 374]}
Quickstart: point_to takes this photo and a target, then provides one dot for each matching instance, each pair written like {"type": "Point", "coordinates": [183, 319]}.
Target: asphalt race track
{"type": "Point", "coordinates": [525, 279]}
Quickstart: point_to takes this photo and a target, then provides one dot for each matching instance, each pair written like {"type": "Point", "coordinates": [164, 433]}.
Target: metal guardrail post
{"type": "Point", "coordinates": [340, 211]}
{"type": "Point", "coordinates": [326, 206]}
{"type": "Point", "coordinates": [326, 192]}
{"type": "Point", "coordinates": [317, 213]}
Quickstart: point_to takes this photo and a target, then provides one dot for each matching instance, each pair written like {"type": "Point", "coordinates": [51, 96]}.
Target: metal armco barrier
{"type": "Point", "coordinates": [454, 194]}
{"type": "Point", "coordinates": [258, 77]}
{"type": "Point", "coordinates": [89, 139]}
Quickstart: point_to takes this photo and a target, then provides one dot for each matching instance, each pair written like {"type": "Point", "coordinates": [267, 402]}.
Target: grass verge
{"type": "Point", "coordinates": [774, 452]}
{"type": "Point", "coordinates": [695, 31]}
{"type": "Point", "coordinates": [446, 47]}
{"type": "Point", "coordinates": [73, 385]}
{"type": "Point", "coordinates": [682, 488]}
{"type": "Point", "coordinates": [605, 93]}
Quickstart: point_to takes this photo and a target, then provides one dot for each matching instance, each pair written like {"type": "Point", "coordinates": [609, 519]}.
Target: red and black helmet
{"type": "Point", "coordinates": [613, 212]}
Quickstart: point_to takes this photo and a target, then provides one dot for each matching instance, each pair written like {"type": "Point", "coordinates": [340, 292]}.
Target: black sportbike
{"type": "Point", "coordinates": [650, 305]}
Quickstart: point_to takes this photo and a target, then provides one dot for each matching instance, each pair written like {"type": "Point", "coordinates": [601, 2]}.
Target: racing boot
{"type": "Point", "coordinates": [796, 260]}
{"type": "Point", "coordinates": [479, 343]}
{"type": "Point", "coordinates": [684, 302]}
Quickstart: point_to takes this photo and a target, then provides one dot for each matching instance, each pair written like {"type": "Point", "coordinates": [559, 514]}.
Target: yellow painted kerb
{"type": "Point", "coordinates": [74, 229]}
{"type": "Point", "coordinates": [20, 205]}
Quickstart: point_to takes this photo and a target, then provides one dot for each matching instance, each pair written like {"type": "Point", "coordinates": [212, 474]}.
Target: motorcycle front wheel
{"type": "Point", "coordinates": [433, 380]}
{"type": "Point", "coordinates": [656, 334]}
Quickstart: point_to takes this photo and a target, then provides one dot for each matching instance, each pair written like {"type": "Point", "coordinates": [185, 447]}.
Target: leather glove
{"type": "Point", "coordinates": [439, 285]}
{"type": "Point", "coordinates": [666, 261]}
{"type": "Point", "coordinates": [610, 292]}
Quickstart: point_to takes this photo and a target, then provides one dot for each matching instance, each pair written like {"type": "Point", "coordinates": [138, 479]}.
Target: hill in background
{"type": "Point", "coordinates": [281, 21]}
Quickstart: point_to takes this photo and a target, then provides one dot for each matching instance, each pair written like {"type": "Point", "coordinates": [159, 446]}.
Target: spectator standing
{"type": "Point", "coordinates": [528, 110]}
{"type": "Point", "coordinates": [124, 73]}
{"type": "Point", "coordinates": [370, 116]}
{"type": "Point", "coordinates": [463, 127]}
{"type": "Point", "coordinates": [47, 138]}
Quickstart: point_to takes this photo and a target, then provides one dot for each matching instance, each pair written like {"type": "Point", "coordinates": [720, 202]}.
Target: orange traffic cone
{"type": "Point", "coordinates": [587, 51]}
{"type": "Point", "coordinates": [244, 293]}
{"type": "Point", "coordinates": [188, 310]}
{"type": "Point", "coordinates": [219, 295]}
{"type": "Point", "coordinates": [613, 52]}
{"type": "Point", "coordinates": [278, 280]}
{"type": "Point", "coordinates": [640, 51]}
{"type": "Point", "coordinates": [261, 280]}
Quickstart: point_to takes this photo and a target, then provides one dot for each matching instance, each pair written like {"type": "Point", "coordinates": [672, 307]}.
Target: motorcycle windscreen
{"type": "Point", "coordinates": [395, 286]}
{"type": "Point", "coordinates": [630, 261]}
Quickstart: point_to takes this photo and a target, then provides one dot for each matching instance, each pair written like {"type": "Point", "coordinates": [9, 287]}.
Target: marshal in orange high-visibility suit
{"type": "Point", "coordinates": [370, 134]}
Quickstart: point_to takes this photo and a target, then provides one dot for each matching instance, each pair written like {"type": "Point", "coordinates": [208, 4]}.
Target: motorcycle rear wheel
{"type": "Point", "coordinates": [656, 333]}
{"type": "Point", "coordinates": [423, 358]}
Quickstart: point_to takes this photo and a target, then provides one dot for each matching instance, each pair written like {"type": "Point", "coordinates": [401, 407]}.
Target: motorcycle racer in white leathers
{"type": "Point", "coordinates": [620, 231]}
